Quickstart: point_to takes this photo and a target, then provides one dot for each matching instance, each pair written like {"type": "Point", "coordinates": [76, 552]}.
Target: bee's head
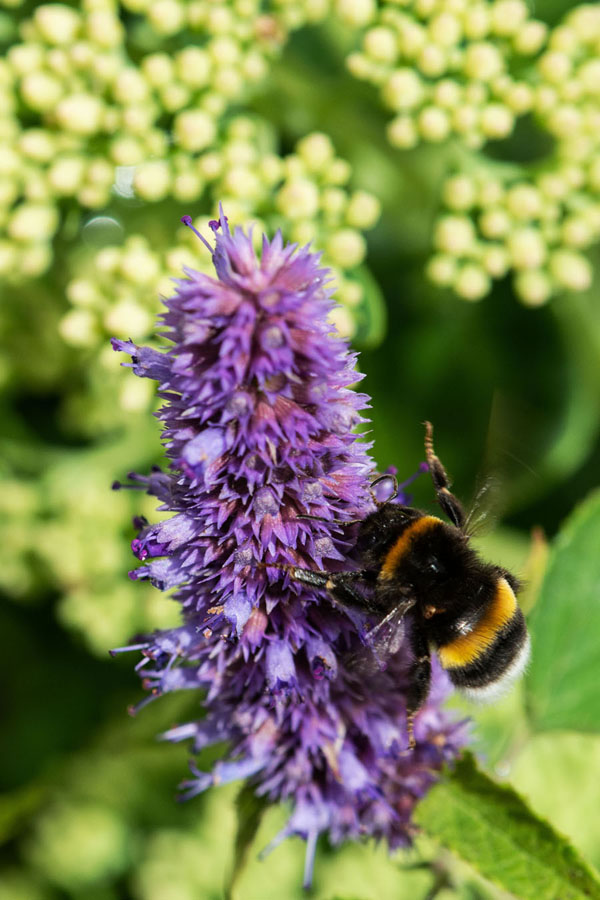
{"type": "Point", "coordinates": [380, 529]}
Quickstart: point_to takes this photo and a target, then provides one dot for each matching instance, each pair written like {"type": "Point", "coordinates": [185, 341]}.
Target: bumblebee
{"type": "Point", "coordinates": [419, 570]}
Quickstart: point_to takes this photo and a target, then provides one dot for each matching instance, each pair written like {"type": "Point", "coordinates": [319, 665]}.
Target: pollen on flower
{"type": "Point", "coordinates": [259, 423]}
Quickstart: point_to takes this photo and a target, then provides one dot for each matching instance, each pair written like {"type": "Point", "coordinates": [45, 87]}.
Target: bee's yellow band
{"type": "Point", "coordinates": [402, 545]}
{"type": "Point", "coordinates": [468, 647]}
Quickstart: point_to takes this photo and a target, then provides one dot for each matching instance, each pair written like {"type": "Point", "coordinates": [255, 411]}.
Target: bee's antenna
{"type": "Point", "coordinates": [441, 483]}
{"type": "Point", "coordinates": [380, 503]}
{"type": "Point", "coordinates": [329, 521]}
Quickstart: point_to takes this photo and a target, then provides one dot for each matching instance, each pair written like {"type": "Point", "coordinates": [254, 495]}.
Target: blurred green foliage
{"type": "Point", "coordinates": [118, 118]}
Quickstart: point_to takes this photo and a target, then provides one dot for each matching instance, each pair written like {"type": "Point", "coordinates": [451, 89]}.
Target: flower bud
{"type": "Point", "coordinates": [152, 180]}
{"type": "Point", "coordinates": [555, 67]}
{"type": "Point", "coordinates": [158, 69]}
{"type": "Point", "coordinates": [571, 270]}
{"type": "Point", "coordinates": [127, 151]}
{"type": "Point", "coordinates": [508, 16]}
{"type": "Point", "coordinates": [57, 24]}
{"type": "Point", "coordinates": [495, 260]}
{"type": "Point", "coordinates": [530, 38]}
{"type": "Point", "coordinates": [432, 60]}
{"type": "Point", "coordinates": [35, 259]}
{"type": "Point", "coordinates": [471, 282]}
{"type": "Point", "coordinates": [434, 123]}
{"type": "Point", "coordinates": [465, 119]}
{"type": "Point", "coordinates": [441, 269]}
{"type": "Point", "coordinates": [347, 248]}
{"type": "Point", "coordinates": [130, 86]}
{"type": "Point", "coordinates": [454, 235]}
{"type": "Point", "coordinates": [33, 222]}
{"type": "Point", "coordinates": [564, 120]}
{"type": "Point", "coordinates": [333, 203]}
{"type": "Point", "coordinates": [527, 248]}
{"type": "Point", "coordinates": [37, 144]}
{"type": "Point", "coordinates": [66, 174]}
{"type": "Point", "coordinates": [519, 98]}
{"type": "Point", "coordinates": [41, 91]}
{"type": "Point", "coordinates": [447, 93]}
{"type": "Point", "coordinates": [166, 16]}
{"type": "Point", "coordinates": [402, 133]}
{"type": "Point", "coordinates": [476, 21]}
{"type": "Point", "coordinates": [343, 322]}
{"type": "Point", "coordinates": [356, 13]}
{"type": "Point", "coordinates": [403, 90]}
{"type": "Point", "coordinates": [298, 199]}
{"type": "Point", "coordinates": [533, 286]}
{"type": "Point", "coordinates": [337, 172]}
{"type": "Point", "coordinates": [79, 328]}
{"type": "Point", "coordinates": [128, 317]}
{"type": "Point", "coordinates": [360, 66]}
{"type": "Point", "coordinates": [576, 232]}
{"type": "Point", "coordinates": [254, 66]}
{"type": "Point", "coordinates": [381, 44]}
{"type": "Point", "coordinates": [482, 61]}
{"type": "Point", "coordinates": [584, 20]}
{"type": "Point", "coordinates": [445, 29]}
{"type": "Point", "coordinates": [459, 192]}
{"type": "Point", "coordinates": [26, 58]}
{"type": "Point", "coordinates": [187, 186]}
{"type": "Point", "coordinates": [193, 67]}
{"type": "Point", "coordinates": [363, 210]}
{"type": "Point", "coordinates": [194, 129]}
{"type": "Point", "coordinates": [80, 113]}
{"type": "Point", "coordinates": [316, 150]}
{"type": "Point", "coordinates": [497, 121]}
{"type": "Point", "coordinates": [524, 201]}
{"type": "Point", "coordinates": [104, 29]}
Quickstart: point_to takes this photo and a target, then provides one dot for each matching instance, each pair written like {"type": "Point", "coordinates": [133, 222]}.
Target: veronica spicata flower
{"type": "Point", "coordinates": [259, 421]}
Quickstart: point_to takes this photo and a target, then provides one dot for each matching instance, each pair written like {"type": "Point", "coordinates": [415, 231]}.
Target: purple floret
{"type": "Point", "coordinates": [259, 421]}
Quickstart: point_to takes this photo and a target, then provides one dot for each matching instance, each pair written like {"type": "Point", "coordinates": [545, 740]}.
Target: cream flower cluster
{"type": "Point", "coordinates": [75, 107]}
{"type": "Point", "coordinates": [116, 292]}
{"type": "Point", "coordinates": [446, 68]}
{"type": "Point", "coordinates": [100, 127]}
{"type": "Point", "coordinates": [534, 220]}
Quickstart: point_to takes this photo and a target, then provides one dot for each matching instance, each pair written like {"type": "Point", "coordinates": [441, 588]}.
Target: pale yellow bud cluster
{"type": "Point", "coordinates": [118, 294]}
{"type": "Point", "coordinates": [98, 124]}
{"type": "Point", "coordinates": [536, 229]}
{"type": "Point", "coordinates": [444, 69]}
{"type": "Point", "coordinates": [567, 103]}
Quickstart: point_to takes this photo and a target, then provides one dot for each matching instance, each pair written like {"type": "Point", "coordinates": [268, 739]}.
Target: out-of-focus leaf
{"type": "Point", "coordinates": [578, 319]}
{"type": "Point", "coordinates": [18, 806]}
{"type": "Point", "coordinates": [491, 827]}
{"type": "Point", "coordinates": [250, 810]}
{"type": "Point", "coordinates": [562, 681]}
{"type": "Point", "coordinates": [371, 315]}
{"type": "Point", "coordinates": [570, 763]}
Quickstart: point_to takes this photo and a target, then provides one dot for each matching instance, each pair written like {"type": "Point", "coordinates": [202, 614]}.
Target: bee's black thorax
{"type": "Point", "coordinates": [465, 608]}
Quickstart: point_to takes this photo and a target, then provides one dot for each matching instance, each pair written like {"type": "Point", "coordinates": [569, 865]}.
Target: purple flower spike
{"type": "Point", "coordinates": [258, 423]}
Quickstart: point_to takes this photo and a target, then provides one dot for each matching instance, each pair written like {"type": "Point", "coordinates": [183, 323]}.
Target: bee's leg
{"type": "Point", "coordinates": [420, 681]}
{"type": "Point", "coordinates": [342, 586]}
{"type": "Point", "coordinates": [441, 483]}
{"type": "Point", "coordinates": [345, 588]}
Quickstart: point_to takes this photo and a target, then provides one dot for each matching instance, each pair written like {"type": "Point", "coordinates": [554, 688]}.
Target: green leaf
{"type": "Point", "coordinates": [491, 827]}
{"type": "Point", "coordinates": [371, 314]}
{"type": "Point", "coordinates": [562, 681]}
{"type": "Point", "coordinates": [18, 807]}
{"type": "Point", "coordinates": [250, 810]}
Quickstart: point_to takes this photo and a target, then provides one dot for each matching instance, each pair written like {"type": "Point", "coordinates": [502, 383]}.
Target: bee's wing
{"type": "Point", "coordinates": [382, 641]}
{"type": "Point", "coordinates": [385, 639]}
{"type": "Point", "coordinates": [484, 509]}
